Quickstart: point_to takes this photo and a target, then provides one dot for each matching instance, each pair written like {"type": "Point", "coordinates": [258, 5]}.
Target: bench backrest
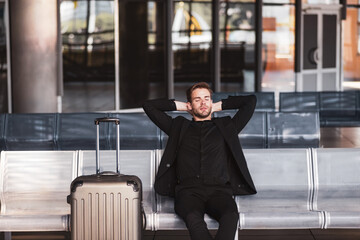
{"type": "Point", "coordinates": [282, 178]}
{"type": "Point", "coordinates": [78, 131]}
{"type": "Point", "coordinates": [337, 179]}
{"type": "Point", "coordinates": [299, 102]}
{"type": "Point", "coordinates": [30, 131]}
{"type": "Point", "coordinates": [335, 108]}
{"type": "Point", "coordinates": [36, 182]}
{"type": "Point", "coordinates": [137, 131]}
{"type": "Point", "coordinates": [293, 130]}
{"type": "Point", "coordinates": [338, 104]}
{"type": "Point", "coordinates": [2, 131]}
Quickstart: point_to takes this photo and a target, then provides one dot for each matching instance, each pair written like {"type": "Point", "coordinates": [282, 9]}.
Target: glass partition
{"type": "Point", "coordinates": [320, 1]}
{"type": "Point", "coordinates": [192, 39]}
{"type": "Point", "coordinates": [237, 40]}
{"type": "Point", "coordinates": [278, 46]}
{"type": "Point", "coordinates": [156, 49]}
{"type": "Point", "coordinates": [351, 43]}
{"type": "Point", "coordinates": [87, 29]}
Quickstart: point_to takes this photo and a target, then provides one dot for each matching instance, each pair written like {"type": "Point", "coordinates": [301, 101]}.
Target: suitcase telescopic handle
{"type": "Point", "coordinates": [117, 123]}
{"type": "Point", "coordinates": [107, 119]}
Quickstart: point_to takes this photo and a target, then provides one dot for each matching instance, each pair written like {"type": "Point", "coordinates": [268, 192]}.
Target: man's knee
{"type": "Point", "coordinates": [229, 218]}
{"type": "Point", "coordinates": [195, 220]}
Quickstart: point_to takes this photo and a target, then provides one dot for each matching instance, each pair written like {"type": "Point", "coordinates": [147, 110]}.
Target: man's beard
{"type": "Point", "coordinates": [202, 115]}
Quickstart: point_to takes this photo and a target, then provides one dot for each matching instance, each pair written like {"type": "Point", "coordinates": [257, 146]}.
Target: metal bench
{"type": "Point", "coordinates": [34, 185]}
{"type": "Point", "coordinates": [337, 186]}
{"type": "Point", "coordinates": [336, 109]}
{"type": "Point", "coordinates": [285, 187]}
{"type": "Point", "coordinates": [33, 189]}
{"type": "Point", "coordinates": [297, 188]}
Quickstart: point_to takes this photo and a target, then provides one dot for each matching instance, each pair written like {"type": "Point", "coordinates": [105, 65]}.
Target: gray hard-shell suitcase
{"type": "Point", "coordinates": [106, 205]}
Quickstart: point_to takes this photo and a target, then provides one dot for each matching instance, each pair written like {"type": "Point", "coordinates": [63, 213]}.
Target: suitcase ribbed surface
{"type": "Point", "coordinates": [106, 211]}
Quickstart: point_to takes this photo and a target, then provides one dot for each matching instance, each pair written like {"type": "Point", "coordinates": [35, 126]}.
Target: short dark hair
{"type": "Point", "coordinates": [190, 90]}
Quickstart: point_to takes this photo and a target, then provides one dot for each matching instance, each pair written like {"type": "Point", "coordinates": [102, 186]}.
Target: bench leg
{"type": "Point", "coordinates": [7, 235]}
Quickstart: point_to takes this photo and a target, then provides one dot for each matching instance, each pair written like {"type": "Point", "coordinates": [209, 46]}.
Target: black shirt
{"type": "Point", "coordinates": [202, 155]}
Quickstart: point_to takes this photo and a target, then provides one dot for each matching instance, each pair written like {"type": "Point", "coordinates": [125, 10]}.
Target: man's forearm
{"type": "Point", "coordinates": [159, 104]}
{"type": "Point", "coordinates": [155, 109]}
{"type": "Point", "coordinates": [236, 102]}
{"type": "Point", "coordinates": [217, 107]}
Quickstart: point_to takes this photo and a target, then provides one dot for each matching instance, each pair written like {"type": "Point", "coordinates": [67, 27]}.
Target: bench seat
{"type": "Point", "coordinates": [337, 186]}
{"type": "Point", "coordinates": [297, 188]}
{"type": "Point", "coordinates": [281, 220]}
{"type": "Point", "coordinates": [284, 183]}
{"type": "Point", "coordinates": [34, 223]}
{"type": "Point", "coordinates": [171, 221]}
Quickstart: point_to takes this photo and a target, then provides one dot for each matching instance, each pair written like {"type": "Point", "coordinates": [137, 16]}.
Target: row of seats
{"type": "Point", "coordinates": [336, 109]}
{"type": "Point", "coordinates": [76, 131]}
{"type": "Point", "coordinates": [297, 188]}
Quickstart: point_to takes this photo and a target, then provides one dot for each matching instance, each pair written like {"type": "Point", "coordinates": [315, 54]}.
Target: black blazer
{"type": "Point", "coordinates": [175, 128]}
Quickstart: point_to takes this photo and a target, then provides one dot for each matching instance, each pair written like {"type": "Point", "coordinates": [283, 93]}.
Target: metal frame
{"type": "Point", "coordinates": [8, 54]}
{"type": "Point", "coordinates": [216, 56]}
{"type": "Point", "coordinates": [169, 56]}
{"type": "Point", "coordinates": [258, 45]}
{"type": "Point", "coordinates": [117, 54]}
{"type": "Point", "coordinates": [320, 10]}
{"type": "Point", "coordinates": [60, 80]}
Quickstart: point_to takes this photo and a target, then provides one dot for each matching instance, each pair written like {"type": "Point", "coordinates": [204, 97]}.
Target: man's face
{"type": "Point", "coordinates": [201, 104]}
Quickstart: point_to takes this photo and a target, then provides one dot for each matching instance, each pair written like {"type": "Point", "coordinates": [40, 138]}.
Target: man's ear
{"type": "Point", "coordinates": [188, 105]}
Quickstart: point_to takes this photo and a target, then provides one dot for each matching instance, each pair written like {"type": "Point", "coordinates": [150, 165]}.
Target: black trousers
{"type": "Point", "coordinates": [191, 203]}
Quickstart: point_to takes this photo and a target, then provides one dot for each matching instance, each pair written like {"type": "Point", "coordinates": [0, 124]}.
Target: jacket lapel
{"type": "Point", "coordinates": [169, 154]}
{"type": "Point", "coordinates": [184, 127]}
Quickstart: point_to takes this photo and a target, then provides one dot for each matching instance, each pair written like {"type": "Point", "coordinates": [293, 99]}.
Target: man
{"type": "Point", "coordinates": [203, 165]}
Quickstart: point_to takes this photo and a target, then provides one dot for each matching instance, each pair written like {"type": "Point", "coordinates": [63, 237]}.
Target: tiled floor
{"type": "Point", "coordinates": [346, 137]}
{"type": "Point", "coordinates": [304, 234]}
